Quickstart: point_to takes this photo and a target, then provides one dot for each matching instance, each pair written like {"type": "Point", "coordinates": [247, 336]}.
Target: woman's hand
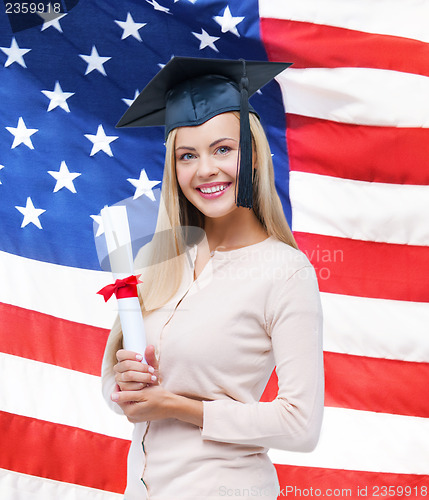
{"type": "Point", "coordinates": [141, 397]}
{"type": "Point", "coordinates": [132, 373]}
{"type": "Point", "coordinates": [151, 403]}
{"type": "Point", "coordinates": [155, 403]}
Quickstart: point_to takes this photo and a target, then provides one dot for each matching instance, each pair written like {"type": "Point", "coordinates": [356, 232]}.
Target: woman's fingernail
{"type": "Point", "coordinates": [115, 396]}
{"type": "Point", "coordinates": [151, 369]}
{"type": "Point", "coordinates": [139, 357]}
{"type": "Point", "coordinates": [153, 378]}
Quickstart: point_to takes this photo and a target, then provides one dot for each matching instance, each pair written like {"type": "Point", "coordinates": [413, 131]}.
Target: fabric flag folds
{"type": "Point", "coordinates": [348, 124]}
{"type": "Point", "coordinates": [358, 142]}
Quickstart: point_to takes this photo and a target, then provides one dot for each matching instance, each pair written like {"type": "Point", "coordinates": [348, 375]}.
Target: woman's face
{"type": "Point", "coordinates": [206, 164]}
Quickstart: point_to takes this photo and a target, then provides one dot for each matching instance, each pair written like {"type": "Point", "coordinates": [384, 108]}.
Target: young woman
{"type": "Point", "coordinates": [220, 313]}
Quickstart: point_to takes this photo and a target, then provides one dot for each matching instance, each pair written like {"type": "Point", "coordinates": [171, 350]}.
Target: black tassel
{"type": "Point", "coordinates": [244, 196]}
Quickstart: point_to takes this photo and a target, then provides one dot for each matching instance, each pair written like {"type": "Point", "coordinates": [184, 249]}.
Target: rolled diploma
{"type": "Point", "coordinates": [118, 239]}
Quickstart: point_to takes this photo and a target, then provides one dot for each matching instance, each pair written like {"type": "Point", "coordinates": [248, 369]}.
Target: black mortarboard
{"type": "Point", "coordinates": [188, 91]}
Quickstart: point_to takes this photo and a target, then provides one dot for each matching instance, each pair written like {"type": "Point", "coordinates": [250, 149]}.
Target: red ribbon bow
{"type": "Point", "coordinates": [122, 288]}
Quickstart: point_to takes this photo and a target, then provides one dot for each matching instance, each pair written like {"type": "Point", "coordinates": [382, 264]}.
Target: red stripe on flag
{"type": "Point", "coordinates": [298, 482]}
{"type": "Point", "coordinates": [381, 154]}
{"type": "Point", "coordinates": [63, 453]}
{"type": "Point", "coordinates": [315, 45]}
{"type": "Point", "coordinates": [33, 335]}
{"type": "Point", "coordinates": [366, 268]}
{"type": "Point", "coordinates": [380, 385]}
{"type": "Point", "coordinates": [271, 389]}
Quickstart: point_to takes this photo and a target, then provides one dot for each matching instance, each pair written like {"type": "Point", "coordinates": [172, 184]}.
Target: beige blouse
{"type": "Point", "coordinates": [218, 340]}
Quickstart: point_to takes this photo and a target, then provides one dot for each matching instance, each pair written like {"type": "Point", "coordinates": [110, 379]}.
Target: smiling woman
{"type": "Point", "coordinates": [220, 311]}
{"type": "Point", "coordinates": [206, 164]}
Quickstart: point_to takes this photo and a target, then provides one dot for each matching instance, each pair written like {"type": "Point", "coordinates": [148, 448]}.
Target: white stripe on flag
{"type": "Point", "coordinates": [16, 486]}
{"type": "Point", "coordinates": [64, 292]}
{"type": "Point", "coordinates": [376, 328]}
{"type": "Point", "coordinates": [49, 392]}
{"type": "Point", "coordinates": [370, 211]}
{"type": "Point", "coordinates": [386, 17]}
{"type": "Point", "coordinates": [357, 96]}
{"type": "Point", "coordinates": [356, 440]}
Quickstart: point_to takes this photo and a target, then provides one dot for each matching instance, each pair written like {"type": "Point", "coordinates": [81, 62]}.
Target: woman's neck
{"type": "Point", "coordinates": [239, 229]}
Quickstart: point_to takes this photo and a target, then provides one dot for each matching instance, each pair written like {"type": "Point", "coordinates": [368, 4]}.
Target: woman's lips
{"type": "Point", "coordinates": [209, 191]}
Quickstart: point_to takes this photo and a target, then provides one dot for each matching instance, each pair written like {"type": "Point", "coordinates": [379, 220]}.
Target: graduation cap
{"type": "Point", "coordinates": [188, 91]}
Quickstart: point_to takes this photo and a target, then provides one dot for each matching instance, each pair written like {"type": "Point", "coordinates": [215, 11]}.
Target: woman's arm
{"type": "Point", "coordinates": [293, 420]}
{"type": "Point", "coordinates": [156, 403]}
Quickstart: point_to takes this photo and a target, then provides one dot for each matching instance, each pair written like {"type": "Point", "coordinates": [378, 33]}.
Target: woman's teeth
{"type": "Point", "coordinates": [213, 189]}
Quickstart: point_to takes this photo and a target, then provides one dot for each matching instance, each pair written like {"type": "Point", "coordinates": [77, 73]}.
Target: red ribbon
{"type": "Point", "coordinates": [123, 288]}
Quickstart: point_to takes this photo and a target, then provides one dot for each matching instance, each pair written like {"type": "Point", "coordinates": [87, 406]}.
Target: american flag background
{"type": "Point", "coordinates": [348, 125]}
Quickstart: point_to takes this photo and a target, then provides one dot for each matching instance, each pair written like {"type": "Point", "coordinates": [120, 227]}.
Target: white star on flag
{"type": "Point", "coordinates": [95, 61]}
{"type": "Point", "coordinates": [101, 141]}
{"type": "Point", "coordinates": [143, 186]}
{"type": "Point", "coordinates": [227, 22]}
{"type": "Point", "coordinates": [57, 97]}
{"type": "Point", "coordinates": [130, 27]}
{"type": "Point", "coordinates": [51, 19]}
{"type": "Point", "coordinates": [31, 214]}
{"type": "Point", "coordinates": [98, 220]}
{"type": "Point", "coordinates": [161, 65]}
{"type": "Point", "coordinates": [64, 178]}
{"type": "Point", "coordinates": [1, 167]}
{"type": "Point", "coordinates": [128, 102]}
{"type": "Point", "coordinates": [159, 7]}
{"type": "Point", "coordinates": [22, 134]}
{"type": "Point", "coordinates": [206, 40]}
{"type": "Point", "coordinates": [14, 54]}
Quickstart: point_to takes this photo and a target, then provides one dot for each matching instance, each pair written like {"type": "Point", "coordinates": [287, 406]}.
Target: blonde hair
{"type": "Point", "coordinates": [162, 261]}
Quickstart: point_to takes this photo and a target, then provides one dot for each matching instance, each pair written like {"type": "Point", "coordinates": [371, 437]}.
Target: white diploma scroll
{"type": "Point", "coordinates": [118, 239]}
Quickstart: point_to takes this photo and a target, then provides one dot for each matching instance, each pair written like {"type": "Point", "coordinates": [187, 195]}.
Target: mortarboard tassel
{"type": "Point", "coordinates": [244, 196]}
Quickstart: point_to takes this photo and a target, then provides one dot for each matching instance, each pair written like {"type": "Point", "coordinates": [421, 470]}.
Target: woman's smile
{"type": "Point", "coordinates": [213, 190]}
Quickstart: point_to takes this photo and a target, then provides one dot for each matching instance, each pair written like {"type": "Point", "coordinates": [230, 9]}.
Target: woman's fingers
{"type": "Point", "coordinates": [132, 373]}
{"type": "Point", "coordinates": [131, 386]}
{"type": "Point", "coordinates": [122, 355]}
{"type": "Point", "coordinates": [131, 361]}
{"type": "Point", "coordinates": [151, 357]}
{"type": "Point", "coordinates": [130, 366]}
{"type": "Point", "coordinates": [135, 376]}
{"type": "Point", "coordinates": [134, 381]}
{"type": "Point", "coordinates": [128, 359]}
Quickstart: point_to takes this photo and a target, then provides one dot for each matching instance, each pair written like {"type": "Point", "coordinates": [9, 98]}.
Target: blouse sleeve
{"type": "Point", "coordinates": [293, 420]}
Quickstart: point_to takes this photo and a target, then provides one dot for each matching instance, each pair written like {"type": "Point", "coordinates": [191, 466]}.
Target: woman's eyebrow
{"type": "Point", "coordinates": [217, 141]}
{"type": "Point", "coordinates": [221, 140]}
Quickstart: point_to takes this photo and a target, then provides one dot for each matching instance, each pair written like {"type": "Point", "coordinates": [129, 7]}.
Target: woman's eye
{"type": "Point", "coordinates": [186, 156]}
{"type": "Point", "coordinates": [223, 150]}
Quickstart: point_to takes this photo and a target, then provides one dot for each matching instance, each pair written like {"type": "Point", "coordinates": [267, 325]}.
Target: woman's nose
{"type": "Point", "coordinates": [207, 167]}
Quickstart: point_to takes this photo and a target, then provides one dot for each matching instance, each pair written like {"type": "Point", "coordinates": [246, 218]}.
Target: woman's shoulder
{"type": "Point", "coordinates": [293, 277]}
{"type": "Point", "coordinates": [279, 254]}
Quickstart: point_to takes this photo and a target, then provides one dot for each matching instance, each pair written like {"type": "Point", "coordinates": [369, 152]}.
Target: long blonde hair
{"type": "Point", "coordinates": [161, 262]}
